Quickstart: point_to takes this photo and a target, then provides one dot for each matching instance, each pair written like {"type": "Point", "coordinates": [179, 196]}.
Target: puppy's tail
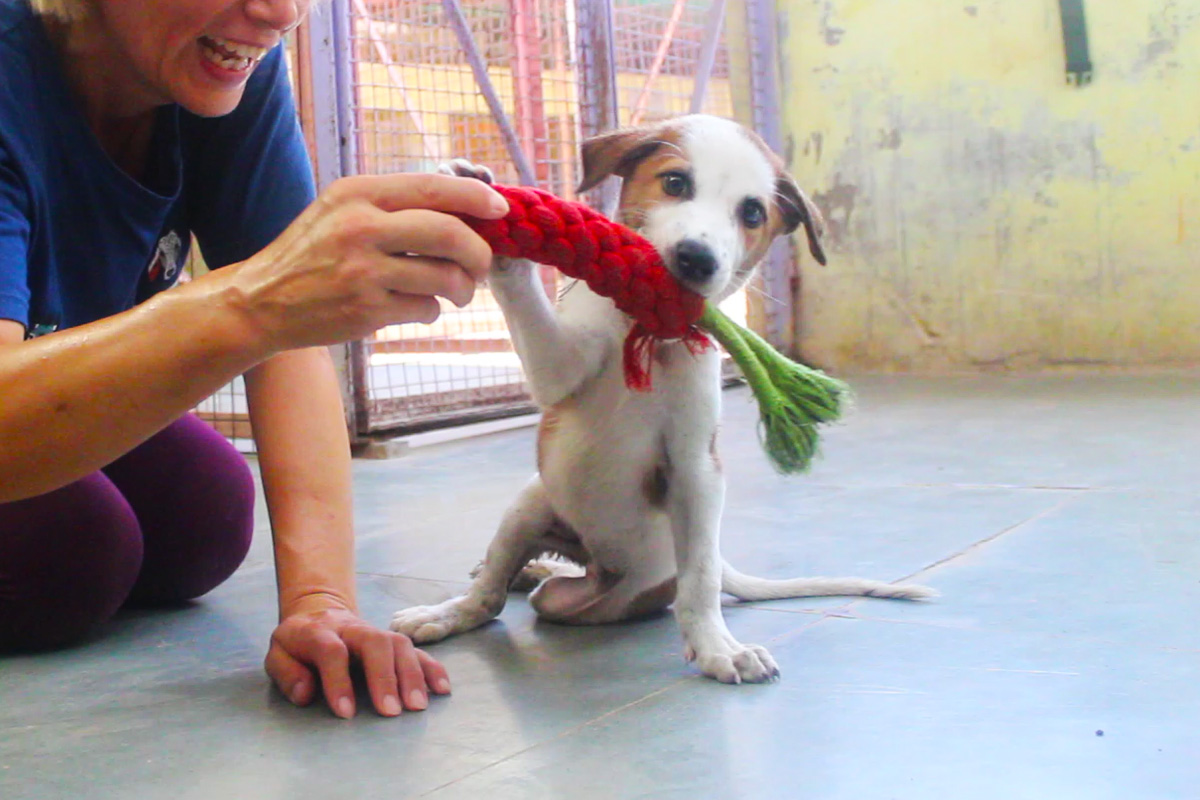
{"type": "Point", "coordinates": [749, 588]}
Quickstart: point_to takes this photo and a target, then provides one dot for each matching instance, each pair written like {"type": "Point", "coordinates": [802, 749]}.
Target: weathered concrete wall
{"type": "Point", "coordinates": [982, 212]}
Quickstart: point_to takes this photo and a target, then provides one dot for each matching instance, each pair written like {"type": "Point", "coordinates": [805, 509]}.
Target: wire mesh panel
{"type": "Point", "coordinates": [659, 50]}
{"type": "Point", "coordinates": [497, 82]}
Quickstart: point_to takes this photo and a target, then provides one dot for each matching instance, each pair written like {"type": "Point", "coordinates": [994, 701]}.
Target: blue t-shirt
{"type": "Point", "coordinates": [80, 239]}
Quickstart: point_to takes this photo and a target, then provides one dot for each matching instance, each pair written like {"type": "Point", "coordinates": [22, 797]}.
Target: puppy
{"type": "Point", "coordinates": [623, 518]}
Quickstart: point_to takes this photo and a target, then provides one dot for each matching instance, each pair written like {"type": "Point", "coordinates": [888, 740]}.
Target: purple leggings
{"type": "Point", "coordinates": [164, 523]}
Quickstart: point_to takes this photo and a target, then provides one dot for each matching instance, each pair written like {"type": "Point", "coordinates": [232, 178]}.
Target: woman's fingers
{"type": "Point", "coordinates": [371, 251]}
{"type": "Point", "coordinates": [432, 277]}
{"type": "Point", "coordinates": [413, 688]}
{"type": "Point", "coordinates": [436, 677]}
{"type": "Point", "coordinates": [435, 235]}
{"type": "Point", "coordinates": [323, 648]}
{"type": "Point", "coordinates": [402, 308]}
{"type": "Point", "coordinates": [375, 651]}
{"type": "Point", "coordinates": [445, 193]}
{"type": "Point", "coordinates": [396, 671]}
{"type": "Point", "coordinates": [398, 675]}
{"type": "Point", "coordinates": [291, 676]}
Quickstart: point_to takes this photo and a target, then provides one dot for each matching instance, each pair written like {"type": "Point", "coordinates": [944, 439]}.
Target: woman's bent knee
{"type": "Point", "coordinates": [68, 561]}
{"type": "Point", "coordinates": [193, 494]}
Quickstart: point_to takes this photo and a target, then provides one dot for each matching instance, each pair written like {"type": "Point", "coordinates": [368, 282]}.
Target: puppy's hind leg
{"type": "Point", "coordinates": [529, 517]}
{"type": "Point", "coordinates": [599, 596]}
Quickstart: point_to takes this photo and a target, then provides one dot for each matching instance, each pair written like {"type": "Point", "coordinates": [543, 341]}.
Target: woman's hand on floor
{"type": "Point", "coordinates": [327, 640]}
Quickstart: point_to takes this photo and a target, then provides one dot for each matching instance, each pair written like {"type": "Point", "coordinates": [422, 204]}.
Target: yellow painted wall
{"type": "Point", "coordinates": [983, 213]}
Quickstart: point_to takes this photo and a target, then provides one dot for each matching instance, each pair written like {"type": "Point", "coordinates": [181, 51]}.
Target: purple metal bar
{"type": "Point", "coordinates": [458, 22]}
{"type": "Point", "coordinates": [598, 87]}
{"type": "Point", "coordinates": [328, 46]}
{"type": "Point", "coordinates": [343, 42]}
{"type": "Point", "coordinates": [713, 26]}
{"type": "Point", "coordinates": [323, 90]}
{"type": "Point", "coordinates": [779, 267]}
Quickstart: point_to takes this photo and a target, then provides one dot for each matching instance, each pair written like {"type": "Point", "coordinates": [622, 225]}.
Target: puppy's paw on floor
{"type": "Point", "coordinates": [428, 624]}
{"type": "Point", "coordinates": [736, 663]}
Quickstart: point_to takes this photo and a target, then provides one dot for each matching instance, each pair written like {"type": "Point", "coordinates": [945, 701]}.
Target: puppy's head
{"type": "Point", "coordinates": [707, 193]}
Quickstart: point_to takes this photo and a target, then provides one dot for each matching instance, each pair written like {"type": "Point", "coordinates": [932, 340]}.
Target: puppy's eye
{"type": "Point", "coordinates": [676, 184]}
{"type": "Point", "coordinates": [752, 213]}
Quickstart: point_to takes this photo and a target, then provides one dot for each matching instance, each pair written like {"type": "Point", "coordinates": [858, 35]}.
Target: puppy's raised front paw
{"type": "Point", "coordinates": [461, 168]}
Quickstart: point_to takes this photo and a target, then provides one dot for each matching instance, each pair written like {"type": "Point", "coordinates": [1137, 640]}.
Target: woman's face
{"type": "Point", "coordinates": [197, 53]}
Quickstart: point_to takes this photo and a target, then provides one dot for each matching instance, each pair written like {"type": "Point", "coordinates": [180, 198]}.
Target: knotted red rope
{"type": "Point", "coordinates": [613, 260]}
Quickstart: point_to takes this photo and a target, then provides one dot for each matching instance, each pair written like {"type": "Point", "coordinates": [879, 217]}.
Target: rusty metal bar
{"type": "Point", "coordinates": [458, 22]}
{"type": "Point", "coordinates": [660, 56]}
{"type": "Point", "coordinates": [526, 64]}
{"type": "Point", "coordinates": [713, 26]}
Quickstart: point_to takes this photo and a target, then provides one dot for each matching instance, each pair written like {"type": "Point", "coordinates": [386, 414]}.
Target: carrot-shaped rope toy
{"type": "Point", "coordinates": [620, 264]}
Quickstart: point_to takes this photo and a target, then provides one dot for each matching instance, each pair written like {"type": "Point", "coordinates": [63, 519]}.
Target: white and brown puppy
{"type": "Point", "coordinates": [629, 490]}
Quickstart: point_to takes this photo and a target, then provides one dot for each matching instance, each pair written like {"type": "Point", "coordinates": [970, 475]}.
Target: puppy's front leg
{"type": "Point", "coordinates": [527, 518]}
{"type": "Point", "coordinates": [697, 498]}
{"type": "Point", "coordinates": [557, 355]}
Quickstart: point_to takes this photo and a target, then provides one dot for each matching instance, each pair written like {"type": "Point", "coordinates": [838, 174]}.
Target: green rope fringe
{"type": "Point", "coordinates": [792, 399]}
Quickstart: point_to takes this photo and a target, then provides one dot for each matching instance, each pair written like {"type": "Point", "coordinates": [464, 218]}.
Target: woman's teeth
{"type": "Point", "coordinates": [231, 55]}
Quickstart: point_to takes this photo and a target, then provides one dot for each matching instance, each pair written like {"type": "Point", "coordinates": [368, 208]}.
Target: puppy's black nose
{"type": "Point", "coordinates": [694, 261]}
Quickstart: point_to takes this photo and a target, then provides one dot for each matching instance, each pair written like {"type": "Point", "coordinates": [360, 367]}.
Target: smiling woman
{"type": "Point", "coordinates": [125, 130]}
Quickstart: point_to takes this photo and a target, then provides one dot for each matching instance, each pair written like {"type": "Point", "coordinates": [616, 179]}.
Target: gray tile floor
{"type": "Point", "coordinates": [1058, 515]}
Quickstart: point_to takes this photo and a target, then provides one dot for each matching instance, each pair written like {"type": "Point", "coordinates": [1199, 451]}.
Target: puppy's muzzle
{"type": "Point", "coordinates": [694, 262]}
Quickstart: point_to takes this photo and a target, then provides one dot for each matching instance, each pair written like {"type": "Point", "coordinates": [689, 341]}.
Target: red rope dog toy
{"type": "Point", "coordinates": [613, 260]}
{"type": "Point", "coordinates": [623, 266]}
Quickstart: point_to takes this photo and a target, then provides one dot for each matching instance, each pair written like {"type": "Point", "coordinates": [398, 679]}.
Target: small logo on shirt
{"type": "Point", "coordinates": [165, 264]}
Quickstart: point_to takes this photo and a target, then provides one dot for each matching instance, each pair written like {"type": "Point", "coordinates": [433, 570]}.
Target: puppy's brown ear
{"type": "Point", "coordinates": [616, 153]}
{"type": "Point", "coordinates": [798, 210]}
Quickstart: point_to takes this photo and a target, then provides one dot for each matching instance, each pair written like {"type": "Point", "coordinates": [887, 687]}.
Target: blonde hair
{"type": "Point", "coordinates": [65, 10]}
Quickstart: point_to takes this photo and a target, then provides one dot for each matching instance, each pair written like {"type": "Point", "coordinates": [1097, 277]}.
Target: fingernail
{"type": "Point", "coordinates": [391, 705]}
{"type": "Point", "coordinates": [442, 686]}
{"type": "Point", "coordinates": [499, 204]}
{"type": "Point", "coordinates": [345, 709]}
{"type": "Point", "coordinates": [297, 692]}
{"type": "Point", "coordinates": [417, 700]}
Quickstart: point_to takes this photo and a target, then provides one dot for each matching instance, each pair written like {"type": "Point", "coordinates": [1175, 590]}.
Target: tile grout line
{"type": "Point", "coordinates": [979, 544]}
{"type": "Point", "coordinates": [1019, 487]}
{"type": "Point", "coordinates": [832, 612]}
{"type": "Point", "coordinates": [366, 574]}
{"type": "Point", "coordinates": [557, 737]}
